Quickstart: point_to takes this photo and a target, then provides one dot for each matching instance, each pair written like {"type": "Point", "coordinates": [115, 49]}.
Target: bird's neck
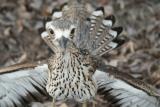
{"type": "Point", "coordinates": [72, 59]}
{"type": "Point", "coordinates": [71, 74]}
{"type": "Point", "coordinates": [63, 56]}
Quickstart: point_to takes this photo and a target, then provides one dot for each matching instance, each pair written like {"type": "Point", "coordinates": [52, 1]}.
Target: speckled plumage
{"type": "Point", "coordinates": [73, 69]}
{"type": "Point", "coordinates": [76, 70]}
{"type": "Point", "coordinates": [72, 66]}
{"type": "Point", "coordinates": [70, 77]}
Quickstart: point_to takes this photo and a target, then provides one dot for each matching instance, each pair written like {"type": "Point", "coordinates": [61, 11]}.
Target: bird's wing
{"type": "Point", "coordinates": [19, 88]}
{"type": "Point", "coordinates": [124, 93]}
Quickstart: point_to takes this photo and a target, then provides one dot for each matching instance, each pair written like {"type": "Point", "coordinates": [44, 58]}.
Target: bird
{"type": "Point", "coordinates": [79, 42]}
{"type": "Point", "coordinates": [72, 65]}
{"type": "Point", "coordinates": [76, 70]}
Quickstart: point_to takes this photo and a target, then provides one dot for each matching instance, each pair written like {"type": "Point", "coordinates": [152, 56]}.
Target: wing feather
{"type": "Point", "coordinates": [121, 93]}
{"type": "Point", "coordinates": [19, 88]}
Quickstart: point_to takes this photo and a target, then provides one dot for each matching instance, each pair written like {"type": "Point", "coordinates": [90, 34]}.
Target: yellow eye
{"type": "Point", "coordinates": [72, 33]}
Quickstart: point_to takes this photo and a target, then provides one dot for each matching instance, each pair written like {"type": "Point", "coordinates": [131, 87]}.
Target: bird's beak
{"type": "Point", "coordinates": [63, 42]}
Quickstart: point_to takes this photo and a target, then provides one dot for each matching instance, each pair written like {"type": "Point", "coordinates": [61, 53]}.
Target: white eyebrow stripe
{"type": "Point", "coordinates": [57, 15]}
{"type": "Point", "coordinates": [44, 34]}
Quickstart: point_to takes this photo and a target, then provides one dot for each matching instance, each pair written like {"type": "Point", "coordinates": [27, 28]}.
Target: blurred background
{"type": "Point", "coordinates": [20, 40]}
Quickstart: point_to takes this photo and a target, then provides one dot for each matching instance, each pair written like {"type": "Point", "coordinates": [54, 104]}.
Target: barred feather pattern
{"type": "Point", "coordinates": [102, 33]}
{"type": "Point", "coordinates": [97, 35]}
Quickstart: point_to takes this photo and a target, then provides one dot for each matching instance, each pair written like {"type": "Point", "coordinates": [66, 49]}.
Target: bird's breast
{"type": "Point", "coordinates": [71, 80]}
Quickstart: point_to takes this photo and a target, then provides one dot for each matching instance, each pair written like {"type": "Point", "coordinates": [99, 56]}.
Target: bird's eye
{"type": "Point", "coordinates": [51, 31]}
{"type": "Point", "coordinates": [72, 33]}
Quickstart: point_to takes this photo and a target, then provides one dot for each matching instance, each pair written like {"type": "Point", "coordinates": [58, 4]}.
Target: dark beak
{"type": "Point", "coordinates": [63, 42]}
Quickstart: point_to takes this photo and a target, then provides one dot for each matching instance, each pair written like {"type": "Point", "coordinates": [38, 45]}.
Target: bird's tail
{"type": "Point", "coordinates": [75, 10]}
{"type": "Point", "coordinates": [103, 36]}
{"type": "Point", "coordinates": [96, 34]}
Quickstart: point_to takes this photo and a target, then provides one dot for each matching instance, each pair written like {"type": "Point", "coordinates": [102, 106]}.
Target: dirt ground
{"type": "Point", "coordinates": [20, 40]}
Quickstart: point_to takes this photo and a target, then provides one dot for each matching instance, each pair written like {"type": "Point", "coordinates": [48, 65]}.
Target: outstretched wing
{"type": "Point", "coordinates": [19, 88]}
{"type": "Point", "coordinates": [124, 93]}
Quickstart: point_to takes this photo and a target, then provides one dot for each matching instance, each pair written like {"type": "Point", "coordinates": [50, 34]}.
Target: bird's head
{"type": "Point", "coordinates": [61, 33]}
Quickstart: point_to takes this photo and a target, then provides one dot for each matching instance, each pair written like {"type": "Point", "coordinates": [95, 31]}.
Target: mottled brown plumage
{"type": "Point", "coordinates": [75, 70]}
{"type": "Point", "coordinates": [70, 76]}
{"type": "Point", "coordinates": [73, 64]}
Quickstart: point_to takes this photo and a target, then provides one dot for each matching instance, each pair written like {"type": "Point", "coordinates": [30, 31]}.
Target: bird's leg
{"type": "Point", "coordinates": [84, 104]}
{"type": "Point", "coordinates": [53, 103]}
{"type": "Point", "coordinates": [93, 104]}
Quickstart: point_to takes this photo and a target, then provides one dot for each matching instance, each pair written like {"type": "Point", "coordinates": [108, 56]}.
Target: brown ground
{"type": "Point", "coordinates": [140, 56]}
